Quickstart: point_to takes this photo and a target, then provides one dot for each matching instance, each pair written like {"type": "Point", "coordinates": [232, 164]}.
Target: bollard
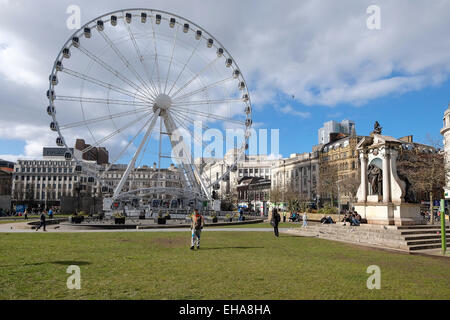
{"type": "Point", "coordinates": [443, 235]}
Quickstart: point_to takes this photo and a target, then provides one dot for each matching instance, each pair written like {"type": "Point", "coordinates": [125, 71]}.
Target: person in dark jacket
{"type": "Point", "coordinates": [275, 221]}
{"type": "Point", "coordinates": [42, 221]}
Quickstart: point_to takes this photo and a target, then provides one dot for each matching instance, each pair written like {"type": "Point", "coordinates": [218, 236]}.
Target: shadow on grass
{"type": "Point", "coordinates": [62, 262]}
{"type": "Point", "coordinates": [220, 248]}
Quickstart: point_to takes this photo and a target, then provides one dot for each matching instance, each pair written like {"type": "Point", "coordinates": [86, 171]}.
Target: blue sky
{"type": "Point", "coordinates": [418, 113]}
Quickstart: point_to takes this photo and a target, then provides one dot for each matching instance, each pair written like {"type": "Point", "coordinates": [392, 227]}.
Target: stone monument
{"type": "Point", "coordinates": [445, 131]}
{"type": "Point", "coordinates": [381, 194]}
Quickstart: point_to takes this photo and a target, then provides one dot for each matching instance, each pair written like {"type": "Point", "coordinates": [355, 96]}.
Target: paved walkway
{"type": "Point", "coordinates": [23, 227]}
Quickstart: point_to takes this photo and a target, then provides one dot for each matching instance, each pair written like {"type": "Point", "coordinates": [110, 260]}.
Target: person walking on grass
{"type": "Point", "coordinates": [42, 221]}
{"type": "Point", "coordinates": [25, 214]}
{"type": "Point", "coordinates": [305, 219]}
{"type": "Point", "coordinates": [275, 221]}
{"type": "Point", "coordinates": [196, 229]}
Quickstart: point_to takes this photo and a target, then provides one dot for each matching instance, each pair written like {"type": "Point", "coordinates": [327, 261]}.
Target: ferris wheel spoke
{"type": "Point", "coordinates": [152, 88]}
{"type": "Point", "coordinates": [113, 71]}
{"type": "Point", "coordinates": [184, 67]}
{"type": "Point", "coordinates": [102, 101]}
{"type": "Point", "coordinates": [156, 54]}
{"type": "Point", "coordinates": [201, 102]}
{"type": "Point", "coordinates": [103, 118]}
{"type": "Point", "coordinates": [209, 65]}
{"type": "Point", "coordinates": [212, 85]}
{"type": "Point", "coordinates": [126, 62]}
{"type": "Point", "coordinates": [171, 57]}
{"type": "Point", "coordinates": [207, 115]}
{"type": "Point", "coordinates": [188, 118]}
{"type": "Point", "coordinates": [179, 120]}
{"type": "Point", "coordinates": [126, 147]}
{"type": "Point", "coordinates": [131, 164]}
{"type": "Point", "coordinates": [104, 84]}
{"type": "Point", "coordinates": [114, 133]}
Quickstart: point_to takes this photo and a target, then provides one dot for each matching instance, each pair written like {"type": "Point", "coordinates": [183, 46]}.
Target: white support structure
{"type": "Point", "coordinates": [190, 169]}
{"type": "Point", "coordinates": [136, 154]}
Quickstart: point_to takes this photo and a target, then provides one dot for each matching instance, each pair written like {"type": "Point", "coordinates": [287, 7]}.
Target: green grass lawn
{"type": "Point", "coordinates": [230, 265]}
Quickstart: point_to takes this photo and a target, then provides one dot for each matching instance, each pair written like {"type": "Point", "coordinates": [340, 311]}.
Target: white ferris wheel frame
{"type": "Point", "coordinates": [194, 181]}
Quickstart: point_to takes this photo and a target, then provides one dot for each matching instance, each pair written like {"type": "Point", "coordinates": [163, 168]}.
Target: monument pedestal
{"type": "Point", "coordinates": [389, 213]}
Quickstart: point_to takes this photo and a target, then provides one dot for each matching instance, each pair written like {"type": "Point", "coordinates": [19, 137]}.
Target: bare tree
{"type": "Point", "coordinates": [276, 195]}
{"type": "Point", "coordinates": [327, 186]}
{"type": "Point", "coordinates": [425, 171]}
{"type": "Point", "coordinates": [349, 185]}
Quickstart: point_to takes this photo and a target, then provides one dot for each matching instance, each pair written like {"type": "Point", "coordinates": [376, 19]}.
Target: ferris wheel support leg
{"type": "Point", "coordinates": [187, 164]}
{"type": "Point", "coordinates": [136, 154]}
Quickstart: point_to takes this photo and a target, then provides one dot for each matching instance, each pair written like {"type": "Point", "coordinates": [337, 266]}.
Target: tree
{"type": "Point", "coordinates": [276, 195]}
{"type": "Point", "coordinates": [327, 185]}
{"type": "Point", "coordinates": [425, 170]}
{"type": "Point", "coordinates": [349, 185]}
{"type": "Point", "coordinates": [293, 203]}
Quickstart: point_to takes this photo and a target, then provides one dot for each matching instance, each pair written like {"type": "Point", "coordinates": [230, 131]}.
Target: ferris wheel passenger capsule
{"type": "Point", "coordinates": [210, 42]}
{"type": "Point", "coordinates": [245, 97]}
{"type": "Point", "coordinates": [198, 34]}
{"type": "Point", "coordinates": [219, 52]}
{"type": "Point", "coordinates": [236, 73]}
{"type": "Point", "coordinates": [128, 17]}
{"type": "Point", "coordinates": [50, 110]}
{"type": "Point", "coordinates": [51, 94]}
{"type": "Point", "coordinates": [248, 122]}
{"type": "Point", "coordinates": [68, 156]}
{"type": "Point", "coordinates": [76, 42]}
{"type": "Point", "coordinates": [59, 142]}
{"type": "Point", "coordinates": [241, 85]}
{"type": "Point", "coordinates": [87, 32]}
{"type": "Point", "coordinates": [66, 53]}
{"type": "Point", "coordinates": [186, 27]}
{"type": "Point", "coordinates": [53, 79]}
{"type": "Point", "coordinates": [53, 126]}
{"type": "Point", "coordinates": [158, 19]}
{"type": "Point", "coordinates": [248, 110]}
{"type": "Point", "coordinates": [143, 17]}
{"type": "Point", "coordinates": [59, 66]}
{"type": "Point", "coordinates": [100, 25]}
{"type": "Point", "coordinates": [114, 21]}
{"type": "Point", "coordinates": [228, 62]}
{"type": "Point", "coordinates": [172, 22]}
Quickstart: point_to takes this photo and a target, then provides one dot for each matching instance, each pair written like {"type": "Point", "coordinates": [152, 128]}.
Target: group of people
{"type": "Point", "coordinates": [352, 217]}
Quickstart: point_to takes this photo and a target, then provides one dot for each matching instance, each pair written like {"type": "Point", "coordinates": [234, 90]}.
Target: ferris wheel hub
{"type": "Point", "coordinates": [163, 101]}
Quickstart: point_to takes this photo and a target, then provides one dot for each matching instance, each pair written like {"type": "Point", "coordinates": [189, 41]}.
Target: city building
{"type": "Point", "coordinates": [254, 193]}
{"type": "Point", "coordinates": [40, 183]}
{"type": "Point", "coordinates": [6, 165]}
{"type": "Point", "coordinates": [251, 166]}
{"type": "Point", "coordinates": [338, 170]}
{"type": "Point", "coordinates": [98, 154]}
{"type": "Point", "coordinates": [140, 178]}
{"type": "Point", "coordinates": [445, 131]}
{"type": "Point", "coordinates": [346, 127]}
{"type": "Point", "coordinates": [299, 174]}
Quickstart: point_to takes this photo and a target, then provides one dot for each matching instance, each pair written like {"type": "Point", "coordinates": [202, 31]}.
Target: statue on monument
{"type": "Point", "coordinates": [375, 177]}
{"type": "Point", "coordinates": [377, 128]}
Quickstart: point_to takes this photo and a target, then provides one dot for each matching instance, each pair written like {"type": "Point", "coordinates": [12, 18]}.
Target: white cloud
{"type": "Point", "coordinates": [319, 51]}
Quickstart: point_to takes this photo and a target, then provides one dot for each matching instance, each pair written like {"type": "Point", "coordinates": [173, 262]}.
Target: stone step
{"type": "Point", "coordinates": [421, 227]}
{"type": "Point", "coordinates": [429, 241]}
{"type": "Point", "coordinates": [426, 237]}
{"type": "Point", "coordinates": [424, 247]}
{"type": "Point", "coordinates": [432, 231]}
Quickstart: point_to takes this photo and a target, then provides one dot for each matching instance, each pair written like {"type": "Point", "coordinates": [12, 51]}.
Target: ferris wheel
{"type": "Point", "coordinates": [138, 81]}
